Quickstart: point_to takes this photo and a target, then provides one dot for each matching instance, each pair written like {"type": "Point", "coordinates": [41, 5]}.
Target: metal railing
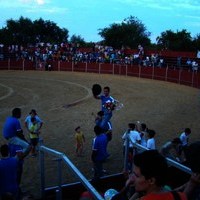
{"type": "Point", "coordinates": [142, 148]}
{"type": "Point", "coordinates": [62, 157]}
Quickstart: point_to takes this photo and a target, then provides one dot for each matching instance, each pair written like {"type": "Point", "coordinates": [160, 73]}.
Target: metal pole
{"type": "Point", "coordinates": [42, 170]}
{"type": "Point", "coordinates": [126, 153]}
{"type": "Point", "coordinates": [60, 177]}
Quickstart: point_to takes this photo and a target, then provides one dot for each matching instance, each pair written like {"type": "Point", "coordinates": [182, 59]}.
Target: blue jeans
{"type": "Point", "coordinates": [17, 141]}
{"type": "Point", "coordinates": [106, 118]}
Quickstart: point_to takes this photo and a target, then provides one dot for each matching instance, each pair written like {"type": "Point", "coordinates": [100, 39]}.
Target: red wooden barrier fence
{"type": "Point", "coordinates": [180, 76]}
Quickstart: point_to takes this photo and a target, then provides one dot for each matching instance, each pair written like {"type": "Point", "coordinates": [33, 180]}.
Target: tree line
{"type": "Point", "coordinates": [127, 34]}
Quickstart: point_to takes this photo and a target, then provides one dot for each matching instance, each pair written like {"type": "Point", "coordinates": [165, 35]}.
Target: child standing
{"type": "Point", "coordinates": [34, 135]}
{"type": "Point", "coordinates": [80, 140]}
{"type": "Point", "coordinates": [151, 143]}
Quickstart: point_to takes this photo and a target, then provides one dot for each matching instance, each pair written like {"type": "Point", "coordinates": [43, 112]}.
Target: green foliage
{"type": "Point", "coordinates": [177, 41]}
{"type": "Point", "coordinates": [196, 42]}
{"type": "Point", "coordinates": [128, 33]}
{"type": "Point", "coordinates": [78, 40]}
{"type": "Point", "coordinates": [25, 31]}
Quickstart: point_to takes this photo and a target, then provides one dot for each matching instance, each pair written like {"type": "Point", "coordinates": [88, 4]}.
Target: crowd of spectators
{"type": "Point", "coordinates": [70, 52]}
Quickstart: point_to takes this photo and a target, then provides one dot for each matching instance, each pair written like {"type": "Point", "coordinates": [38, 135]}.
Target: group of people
{"type": "Point", "coordinates": [16, 149]}
{"type": "Point", "coordinates": [148, 169]}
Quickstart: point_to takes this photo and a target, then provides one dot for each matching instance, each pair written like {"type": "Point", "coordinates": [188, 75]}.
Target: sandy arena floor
{"type": "Point", "coordinates": [165, 107]}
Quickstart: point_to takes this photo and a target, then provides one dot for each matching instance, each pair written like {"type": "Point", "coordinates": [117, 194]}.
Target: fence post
{"type": "Point", "coordinates": [139, 71]}
{"type": "Point", "coordinates": [153, 72]}
{"type": "Point", "coordinates": [23, 67]}
{"type": "Point", "coordinates": [113, 69]}
{"type": "Point", "coordinates": [126, 152]}
{"type": "Point", "coordinates": [99, 68]}
{"type": "Point", "coordinates": [72, 65]}
{"type": "Point", "coordinates": [166, 73]}
{"type": "Point", "coordinates": [9, 64]}
{"type": "Point", "coordinates": [42, 170]}
{"type": "Point", "coordinates": [59, 193]}
{"type": "Point", "coordinates": [192, 78]}
{"type": "Point", "coordinates": [179, 78]}
{"type": "Point", "coordinates": [59, 65]}
{"type": "Point", "coordinates": [86, 66]}
{"type": "Point", "coordinates": [126, 70]}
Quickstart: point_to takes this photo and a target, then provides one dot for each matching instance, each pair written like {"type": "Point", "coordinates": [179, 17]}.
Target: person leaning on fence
{"type": "Point", "coordinates": [134, 137]}
{"type": "Point", "coordinates": [171, 149]}
{"type": "Point", "coordinates": [184, 137]}
{"type": "Point", "coordinates": [13, 132]}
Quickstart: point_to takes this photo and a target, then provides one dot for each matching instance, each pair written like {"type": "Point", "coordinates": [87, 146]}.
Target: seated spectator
{"type": "Point", "coordinates": [150, 175]}
{"type": "Point", "coordinates": [171, 149]}
{"type": "Point", "coordinates": [13, 132]}
{"type": "Point", "coordinates": [192, 187]}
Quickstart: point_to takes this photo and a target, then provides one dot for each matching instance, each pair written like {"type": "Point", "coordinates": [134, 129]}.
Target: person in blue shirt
{"type": "Point", "coordinates": [8, 174]}
{"type": "Point", "coordinates": [107, 104]}
{"type": "Point", "coordinates": [13, 132]}
{"type": "Point", "coordinates": [99, 152]}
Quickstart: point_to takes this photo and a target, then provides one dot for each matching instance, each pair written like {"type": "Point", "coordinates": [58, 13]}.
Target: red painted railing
{"type": "Point", "coordinates": [179, 76]}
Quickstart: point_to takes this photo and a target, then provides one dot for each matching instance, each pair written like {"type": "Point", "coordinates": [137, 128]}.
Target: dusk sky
{"type": "Point", "coordinates": [85, 17]}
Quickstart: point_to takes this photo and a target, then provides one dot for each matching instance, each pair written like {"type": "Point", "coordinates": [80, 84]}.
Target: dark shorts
{"type": "Point", "coordinates": [34, 141]}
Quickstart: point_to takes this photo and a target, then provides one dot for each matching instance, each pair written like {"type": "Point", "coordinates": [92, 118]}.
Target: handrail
{"type": "Point", "coordinates": [170, 161]}
{"type": "Point", "coordinates": [43, 149]}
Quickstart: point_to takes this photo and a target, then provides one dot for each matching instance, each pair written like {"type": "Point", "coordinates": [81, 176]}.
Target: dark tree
{"type": "Point", "coordinates": [77, 39]}
{"type": "Point", "coordinates": [177, 41]}
{"type": "Point", "coordinates": [25, 31]}
{"type": "Point", "coordinates": [129, 33]}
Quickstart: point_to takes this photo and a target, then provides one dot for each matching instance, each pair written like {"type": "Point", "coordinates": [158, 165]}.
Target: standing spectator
{"type": "Point", "coordinates": [134, 137]}
{"type": "Point", "coordinates": [13, 132]}
{"type": "Point", "coordinates": [80, 140]}
{"type": "Point", "coordinates": [143, 134]}
{"type": "Point", "coordinates": [33, 128]}
{"type": "Point", "coordinates": [171, 149]}
{"type": "Point", "coordinates": [34, 135]}
{"type": "Point", "coordinates": [28, 122]}
{"type": "Point", "coordinates": [8, 174]}
{"type": "Point", "coordinates": [107, 104]}
{"type": "Point", "coordinates": [151, 144]}
{"type": "Point", "coordinates": [99, 152]}
{"type": "Point", "coordinates": [184, 137]}
{"type": "Point", "coordinates": [106, 127]}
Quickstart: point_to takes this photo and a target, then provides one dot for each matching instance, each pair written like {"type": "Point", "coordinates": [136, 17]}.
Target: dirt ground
{"type": "Point", "coordinates": [165, 107]}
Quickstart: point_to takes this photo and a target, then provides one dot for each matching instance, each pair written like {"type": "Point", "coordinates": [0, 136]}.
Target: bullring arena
{"type": "Point", "coordinates": [64, 100]}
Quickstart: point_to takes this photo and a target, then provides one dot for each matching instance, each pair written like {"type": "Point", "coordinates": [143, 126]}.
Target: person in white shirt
{"type": "Point", "coordinates": [184, 137]}
{"type": "Point", "coordinates": [134, 137]}
{"type": "Point", "coordinates": [151, 144]}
